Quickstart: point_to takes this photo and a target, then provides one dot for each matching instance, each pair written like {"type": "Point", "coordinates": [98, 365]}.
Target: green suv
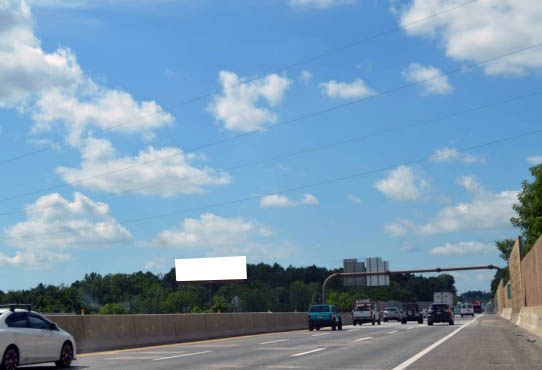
{"type": "Point", "coordinates": [321, 315]}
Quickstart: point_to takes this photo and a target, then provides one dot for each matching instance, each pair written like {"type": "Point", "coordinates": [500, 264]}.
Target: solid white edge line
{"type": "Point", "coordinates": [184, 355]}
{"type": "Point", "coordinates": [392, 332]}
{"type": "Point", "coordinates": [360, 339]}
{"type": "Point", "coordinates": [306, 353]}
{"type": "Point", "coordinates": [275, 341]}
{"type": "Point", "coordinates": [419, 355]}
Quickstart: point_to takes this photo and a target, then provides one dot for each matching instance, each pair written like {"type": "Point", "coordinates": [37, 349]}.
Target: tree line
{"type": "Point", "coordinates": [268, 288]}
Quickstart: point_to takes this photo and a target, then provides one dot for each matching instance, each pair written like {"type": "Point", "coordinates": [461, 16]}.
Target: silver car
{"type": "Point", "coordinates": [392, 313]}
{"type": "Point", "coordinates": [26, 337]}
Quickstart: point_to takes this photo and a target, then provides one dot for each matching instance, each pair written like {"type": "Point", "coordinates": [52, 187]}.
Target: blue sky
{"type": "Point", "coordinates": [134, 132]}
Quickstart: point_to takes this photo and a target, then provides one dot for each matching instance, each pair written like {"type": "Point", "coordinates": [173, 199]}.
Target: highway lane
{"type": "Point", "coordinates": [367, 347]}
{"type": "Point", "coordinates": [488, 342]}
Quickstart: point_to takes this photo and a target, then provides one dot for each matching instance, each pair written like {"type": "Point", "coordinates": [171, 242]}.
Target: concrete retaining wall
{"type": "Point", "coordinates": [106, 332]}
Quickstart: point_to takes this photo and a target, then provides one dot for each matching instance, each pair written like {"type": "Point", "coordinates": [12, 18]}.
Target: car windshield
{"type": "Point", "coordinates": [319, 309]}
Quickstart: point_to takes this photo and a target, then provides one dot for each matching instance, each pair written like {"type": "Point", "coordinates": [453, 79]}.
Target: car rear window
{"type": "Point", "coordinates": [319, 309]}
{"type": "Point", "coordinates": [410, 307]}
{"type": "Point", "coordinates": [439, 306]}
{"type": "Point", "coordinates": [391, 309]}
{"type": "Point", "coordinates": [362, 308]}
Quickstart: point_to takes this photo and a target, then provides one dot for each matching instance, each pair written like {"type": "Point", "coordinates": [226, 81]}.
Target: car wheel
{"type": "Point", "coordinates": [420, 321]}
{"type": "Point", "coordinates": [354, 323]}
{"type": "Point", "coordinates": [451, 322]}
{"type": "Point", "coordinates": [403, 322]}
{"type": "Point", "coordinates": [430, 323]}
{"type": "Point", "coordinates": [461, 316]}
{"type": "Point", "coordinates": [10, 359]}
{"type": "Point", "coordinates": [311, 327]}
{"type": "Point", "coordinates": [317, 328]}
{"type": "Point", "coordinates": [340, 326]}
{"type": "Point", "coordinates": [379, 322]}
{"type": "Point", "coordinates": [66, 356]}
{"type": "Point", "coordinates": [333, 327]}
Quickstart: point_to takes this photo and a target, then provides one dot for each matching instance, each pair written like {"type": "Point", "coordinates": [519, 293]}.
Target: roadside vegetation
{"type": "Point", "coordinates": [268, 288]}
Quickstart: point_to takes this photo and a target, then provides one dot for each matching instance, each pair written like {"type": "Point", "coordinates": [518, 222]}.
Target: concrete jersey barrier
{"type": "Point", "coordinates": [108, 332]}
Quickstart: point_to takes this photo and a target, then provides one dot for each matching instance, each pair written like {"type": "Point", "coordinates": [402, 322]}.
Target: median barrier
{"type": "Point", "coordinates": [530, 318]}
{"type": "Point", "coordinates": [94, 333]}
{"type": "Point", "coordinates": [507, 313]}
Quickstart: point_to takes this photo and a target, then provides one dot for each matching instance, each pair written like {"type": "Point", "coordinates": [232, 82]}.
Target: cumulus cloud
{"type": "Point", "coordinates": [346, 90]}
{"type": "Point", "coordinates": [486, 211]}
{"type": "Point", "coordinates": [535, 160]}
{"type": "Point", "coordinates": [481, 30]}
{"type": "Point", "coordinates": [452, 154]}
{"type": "Point", "coordinates": [54, 88]}
{"type": "Point", "coordinates": [429, 78]}
{"type": "Point", "coordinates": [222, 236]}
{"type": "Point", "coordinates": [239, 106]}
{"type": "Point", "coordinates": [165, 172]}
{"type": "Point", "coordinates": [322, 4]}
{"type": "Point", "coordinates": [462, 248]}
{"type": "Point", "coordinates": [34, 259]}
{"type": "Point", "coordinates": [402, 184]}
{"type": "Point", "coordinates": [281, 201]}
{"type": "Point", "coordinates": [54, 223]}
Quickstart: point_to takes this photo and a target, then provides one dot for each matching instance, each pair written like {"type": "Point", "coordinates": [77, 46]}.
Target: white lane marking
{"type": "Point", "coordinates": [360, 339]}
{"type": "Point", "coordinates": [391, 332]}
{"type": "Point", "coordinates": [419, 355]}
{"type": "Point", "coordinates": [186, 354]}
{"type": "Point", "coordinates": [410, 327]}
{"type": "Point", "coordinates": [306, 353]}
{"type": "Point", "coordinates": [275, 341]}
{"type": "Point", "coordinates": [317, 335]}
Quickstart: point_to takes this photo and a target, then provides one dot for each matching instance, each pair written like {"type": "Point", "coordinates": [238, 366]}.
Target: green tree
{"type": "Point", "coordinates": [343, 301]}
{"type": "Point", "coordinates": [220, 304]}
{"type": "Point", "coordinates": [529, 209]}
{"type": "Point", "coordinates": [300, 296]}
{"type": "Point", "coordinates": [505, 247]}
{"type": "Point", "coordinates": [113, 309]}
{"type": "Point", "coordinates": [181, 301]}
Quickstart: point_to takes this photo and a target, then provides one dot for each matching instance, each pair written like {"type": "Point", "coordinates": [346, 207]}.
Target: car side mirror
{"type": "Point", "coordinates": [53, 326]}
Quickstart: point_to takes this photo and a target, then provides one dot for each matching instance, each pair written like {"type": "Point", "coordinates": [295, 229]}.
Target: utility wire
{"type": "Point", "coordinates": [287, 122]}
{"type": "Point", "coordinates": [297, 188]}
{"type": "Point", "coordinates": [263, 75]}
{"type": "Point", "coordinates": [316, 148]}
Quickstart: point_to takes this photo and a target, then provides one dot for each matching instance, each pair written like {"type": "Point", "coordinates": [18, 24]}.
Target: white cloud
{"type": "Point", "coordinates": [223, 236]}
{"type": "Point", "coordinates": [346, 90]}
{"type": "Point", "coordinates": [354, 199]}
{"type": "Point", "coordinates": [482, 30]}
{"type": "Point", "coordinates": [165, 172]}
{"type": "Point", "coordinates": [53, 87]}
{"type": "Point", "coordinates": [322, 4]}
{"type": "Point", "coordinates": [56, 223]}
{"type": "Point", "coordinates": [402, 184]}
{"type": "Point", "coordinates": [281, 201]}
{"type": "Point", "coordinates": [452, 154]}
{"type": "Point", "coordinates": [432, 83]}
{"type": "Point", "coordinates": [462, 248]}
{"type": "Point", "coordinates": [306, 76]}
{"type": "Point", "coordinates": [239, 104]}
{"type": "Point", "coordinates": [34, 260]}
{"type": "Point", "coordinates": [158, 264]}
{"type": "Point", "coordinates": [535, 160]}
{"type": "Point", "coordinates": [486, 211]}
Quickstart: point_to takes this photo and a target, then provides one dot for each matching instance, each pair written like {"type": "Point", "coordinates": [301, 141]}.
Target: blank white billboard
{"type": "Point", "coordinates": [211, 269]}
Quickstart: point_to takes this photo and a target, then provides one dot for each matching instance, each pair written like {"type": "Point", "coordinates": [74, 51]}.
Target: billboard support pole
{"type": "Point", "coordinates": [438, 269]}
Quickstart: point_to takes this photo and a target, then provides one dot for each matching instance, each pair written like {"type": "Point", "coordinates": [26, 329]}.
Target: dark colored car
{"type": "Point", "coordinates": [411, 312]}
{"type": "Point", "coordinates": [439, 312]}
{"type": "Point", "coordinates": [322, 315]}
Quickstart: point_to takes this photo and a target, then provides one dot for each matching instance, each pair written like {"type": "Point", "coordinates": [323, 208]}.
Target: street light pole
{"type": "Point", "coordinates": [438, 269]}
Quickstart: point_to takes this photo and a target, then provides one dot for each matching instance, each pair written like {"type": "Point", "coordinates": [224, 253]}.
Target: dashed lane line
{"type": "Point", "coordinates": [317, 335]}
{"type": "Point", "coordinates": [307, 352]}
{"type": "Point", "coordinates": [275, 341]}
{"type": "Point", "coordinates": [184, 355]}
{"type": "Point", "coordinates": [362, 339]}
{"type": "Point", "coordinates": [392, 332]}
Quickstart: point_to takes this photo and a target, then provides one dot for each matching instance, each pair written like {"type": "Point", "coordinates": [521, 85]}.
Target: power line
{"type": "Point", "coordinates": [303, 187]}
{"type": "Point", "coordinates": [287, 122]}
{"type": "Point", "coordinates": [320, 147]}
{"type": "Point", "coordinates": [263, 75]}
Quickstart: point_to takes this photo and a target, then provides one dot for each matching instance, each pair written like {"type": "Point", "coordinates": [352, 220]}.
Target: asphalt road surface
{"type": "Point", "coordinates": [487, 342]}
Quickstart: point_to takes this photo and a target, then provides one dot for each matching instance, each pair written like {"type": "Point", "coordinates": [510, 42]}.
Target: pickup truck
{"type": "Point", "coordinates": [365, 313]}
{"type": "Point", "coordinates": [321, 315]}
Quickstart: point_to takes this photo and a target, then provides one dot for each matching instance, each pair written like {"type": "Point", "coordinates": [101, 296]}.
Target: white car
{"type": "Point", "coordinates": [26, 338]}
{"type": "Point", "coordinates": [467, 309]}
